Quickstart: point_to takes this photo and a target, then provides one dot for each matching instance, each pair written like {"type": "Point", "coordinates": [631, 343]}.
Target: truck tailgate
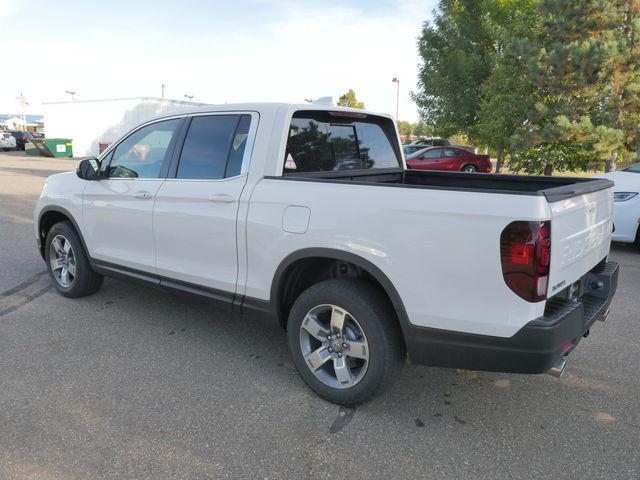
{"type": "Point", "coordinates": [581, 230]}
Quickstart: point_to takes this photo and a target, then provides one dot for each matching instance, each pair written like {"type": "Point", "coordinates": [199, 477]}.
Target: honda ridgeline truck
{"type": "Point", "coordinates": [308, 215]}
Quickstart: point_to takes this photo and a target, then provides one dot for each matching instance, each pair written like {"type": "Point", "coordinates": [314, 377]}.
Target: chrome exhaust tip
{"type": "Point", "coordinates": [604, 316]}
{"type": "Point", "coordinates": [558, 369]}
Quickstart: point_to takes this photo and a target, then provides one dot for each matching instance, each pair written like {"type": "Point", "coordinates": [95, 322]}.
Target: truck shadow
{"type": "Point", "coordinates": [255, 354]}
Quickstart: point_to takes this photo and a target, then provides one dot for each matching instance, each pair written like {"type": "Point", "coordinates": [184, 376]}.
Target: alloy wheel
{"type": "Point", "coordinates": [334, 346]}
{"type": "Point", "coordinates": [62, 261]}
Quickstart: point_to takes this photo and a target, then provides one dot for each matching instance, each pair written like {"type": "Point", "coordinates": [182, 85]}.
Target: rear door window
{"type": "Point", "coordinates": [322, 142]}
{"type": "Point", "coordinates": [435, 153]}
{"type": "Point", "coordinates": [214, 147]}
{"type": "Point", "coordinates": [448, 152]}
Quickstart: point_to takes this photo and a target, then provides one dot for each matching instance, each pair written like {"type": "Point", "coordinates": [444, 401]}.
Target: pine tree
{"type": "Point", "coordinates": [587, 71]}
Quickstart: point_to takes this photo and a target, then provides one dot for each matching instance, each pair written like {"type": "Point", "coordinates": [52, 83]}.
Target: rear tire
{"type": "Point", "coordinates": [469, 169]}
{"type": "Point", "coordinates": [67, 263]}
{"type": "Point", "coordinates": [6, 149]}
{"type": "Point", "coordinates": [367, 354]}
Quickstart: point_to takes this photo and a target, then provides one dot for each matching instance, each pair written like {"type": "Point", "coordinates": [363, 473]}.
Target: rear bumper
{"type": "Point", "coordinates": [533, 349]}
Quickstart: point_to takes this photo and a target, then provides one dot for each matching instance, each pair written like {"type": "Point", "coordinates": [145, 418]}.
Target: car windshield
{"type": "Point", "coordinates": [633, 168]}
{"type": "Point", "coordinates": [416, 154]}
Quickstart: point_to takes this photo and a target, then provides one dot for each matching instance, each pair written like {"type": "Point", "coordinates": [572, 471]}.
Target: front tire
{"type": "Point", "coordinates": [345, 340]}
{"type": "Point", "coordinates": [67, 263]}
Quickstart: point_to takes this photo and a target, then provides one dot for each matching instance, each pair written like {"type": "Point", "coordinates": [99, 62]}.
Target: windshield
{"type": "Point", "coordinates": [633, 168]}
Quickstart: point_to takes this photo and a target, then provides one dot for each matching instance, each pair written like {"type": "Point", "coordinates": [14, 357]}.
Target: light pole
{"type": "Point", "coordinates": [397, 81]}
{"type": "Point", "coordinates": [163, 87]}
{"type": "Point", "coordinates": [190, 97]}
{"type": "Point", "coordinates": [72, 93]}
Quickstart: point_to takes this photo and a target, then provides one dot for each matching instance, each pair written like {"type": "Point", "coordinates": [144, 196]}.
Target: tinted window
{"type": "Point", "coordinates": [320, 142]}
{"type": "Point", "coordinates": [448, 152]}
{"type": "Point", "coordinates": [435, 153]}
{"type": "Point", "coordinates": [238, 146]}
{"type": "Point", "coordinates": [141, 154]}
{"type": "Point", "coordinates": [210, 141]}
{"type": "Point", "coordinates": [633, 168]}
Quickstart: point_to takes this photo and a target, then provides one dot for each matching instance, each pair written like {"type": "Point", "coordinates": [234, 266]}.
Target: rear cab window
{"type": "Point", "coordinates": [322, 141]}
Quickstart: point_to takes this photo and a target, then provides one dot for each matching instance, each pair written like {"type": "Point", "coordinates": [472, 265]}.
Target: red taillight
{"type": "Point", "coordinates": [525, 253]}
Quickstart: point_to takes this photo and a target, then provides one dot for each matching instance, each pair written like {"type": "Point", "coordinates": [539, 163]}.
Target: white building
{"type": "Point", "coordinates": [90, 123]}
{"type": "Point", "coordinates": [33, 123]}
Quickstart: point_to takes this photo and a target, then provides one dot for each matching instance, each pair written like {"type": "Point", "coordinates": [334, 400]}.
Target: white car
{"type": "Point", "coordinates": [626, 209]}
{"type": "Point", "coordinates": [7, 141]}
{"type": "Point", "coordinates": [308, 215]}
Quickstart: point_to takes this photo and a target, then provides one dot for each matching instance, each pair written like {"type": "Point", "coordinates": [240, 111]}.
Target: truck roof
{"type": "Point", "coordinates": [265, 107]}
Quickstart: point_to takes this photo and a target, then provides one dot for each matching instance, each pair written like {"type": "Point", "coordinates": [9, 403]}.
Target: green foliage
{"type": "Point", "coordinates": [587, 68]}
{"type": "Point", "coordinates": [405, 128]}
{"type": "Point", "coordinates": [473, 76]}
{"type": "Point", "coordinates": [409, 130]}
{"type": "Point", "coordinates": [457, 52]}
{"type": "Point", "coordinates": [349, 100]}
{"type": "Point", "coordinates": [545, 157]}
{"type": "Point", "coordinates": [535, 76]}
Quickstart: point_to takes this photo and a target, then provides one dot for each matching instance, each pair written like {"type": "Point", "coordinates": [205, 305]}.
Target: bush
{"type": "Point", "coordinates": [546, 158]}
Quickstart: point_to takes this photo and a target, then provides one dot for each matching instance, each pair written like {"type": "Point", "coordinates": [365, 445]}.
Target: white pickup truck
{"type": "Point", "coordinates": [307, 214]}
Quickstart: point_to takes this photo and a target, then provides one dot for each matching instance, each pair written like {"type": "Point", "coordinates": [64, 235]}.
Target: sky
{"type": "Point", "coordinates": [217, 51]}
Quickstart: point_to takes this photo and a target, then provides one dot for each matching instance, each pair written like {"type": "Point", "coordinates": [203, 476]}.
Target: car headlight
{"type": "Point", "coordinates": [623, 196]}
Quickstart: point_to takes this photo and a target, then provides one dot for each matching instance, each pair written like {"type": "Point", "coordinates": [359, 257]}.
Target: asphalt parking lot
{"type": "Point", "coordinates": [137, 383]}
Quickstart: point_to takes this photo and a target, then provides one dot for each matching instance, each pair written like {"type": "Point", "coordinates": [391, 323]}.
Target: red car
{"type": "Point", "coordinates": [449, 158]}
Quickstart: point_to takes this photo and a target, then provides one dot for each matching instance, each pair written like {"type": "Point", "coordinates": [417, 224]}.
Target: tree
{"type": "Point", "coordinates": [505, 100]}
{"type": "Point", "coordinates": [588, 70]}
{"type": "Point", "coordinates": [405, 129]}
{"type": "Point", "coordinates": [543, 158]}
{"type": "Point", "coordinates": [457, 53]}
{"type": "Point", "coordinates": [473, 78]}
{"type": "Point", "coordinates": [349, 100]}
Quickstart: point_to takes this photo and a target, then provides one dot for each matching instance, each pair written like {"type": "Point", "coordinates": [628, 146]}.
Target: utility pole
{"type": "Point", "coordinates": [397, 81]}
{"type": "Point", "coordinates": [72, 93]}
{"type": "Point", "coordinates": [190, 97]}
{"type": "Point", "coordinates": [163, 87]}
{"type": "Point", "coordinates": [23, 104]}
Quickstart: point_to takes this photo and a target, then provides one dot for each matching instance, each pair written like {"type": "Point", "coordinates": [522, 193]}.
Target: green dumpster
{"type": "Point", "coordinates": [59, 147]}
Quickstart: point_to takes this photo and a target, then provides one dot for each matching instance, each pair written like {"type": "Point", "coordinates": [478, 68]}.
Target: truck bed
{"type": "Point", "coordinates": [552, 188]}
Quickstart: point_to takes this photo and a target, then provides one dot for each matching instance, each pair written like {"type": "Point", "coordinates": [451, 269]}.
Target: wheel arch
{"type": "Point", "coordinates": [51, 215]}
{"type": "Point", "coordinates": [324, 257]}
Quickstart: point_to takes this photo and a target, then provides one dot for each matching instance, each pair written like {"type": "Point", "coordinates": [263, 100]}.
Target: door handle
{"type": "Point", "coordinates": [143, 195]}
{"type": "Point", "coordinates": [222, 198]}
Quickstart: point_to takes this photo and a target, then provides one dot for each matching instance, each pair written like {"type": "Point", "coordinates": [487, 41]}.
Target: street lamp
{"type": "Point", "coordinates": [190, 97]}
{"type": "Point", "coordinates": [72, 93]}
{"type": "Point", "coordinates": [397, 80]}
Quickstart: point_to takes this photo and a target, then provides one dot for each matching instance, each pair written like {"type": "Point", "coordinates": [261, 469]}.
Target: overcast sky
{"type": "Point", "coordinates": [218, 51]}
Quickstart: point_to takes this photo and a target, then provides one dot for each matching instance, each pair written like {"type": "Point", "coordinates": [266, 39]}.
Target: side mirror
{"type": "Point", "coordinates": [89, 169]}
